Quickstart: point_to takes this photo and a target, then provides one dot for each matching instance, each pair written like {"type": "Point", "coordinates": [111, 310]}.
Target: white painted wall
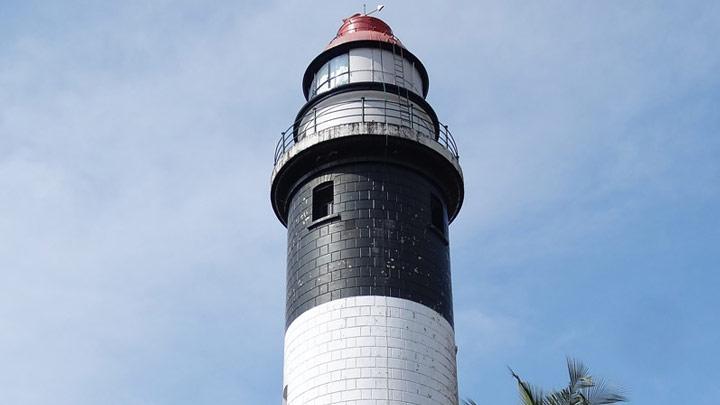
{"type": "Point", "coordinates": [347, 108]}
{"type": "Point", "coordinates": [370, 351]}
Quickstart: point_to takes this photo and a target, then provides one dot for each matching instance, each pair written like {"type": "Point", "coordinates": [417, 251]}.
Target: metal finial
{"type": "Point", "coordinates": [378, 8]}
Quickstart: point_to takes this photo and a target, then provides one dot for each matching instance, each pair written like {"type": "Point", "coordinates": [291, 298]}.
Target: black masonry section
{"type": "Point", "coordinates": [377, 239]}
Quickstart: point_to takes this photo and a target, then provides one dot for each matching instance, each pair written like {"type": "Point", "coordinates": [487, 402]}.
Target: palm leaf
{"type": "Point", "coordinates": [581, 390]}
{"type": "Point", "coordinates": [601, 394]}
{"type": "Point", "coordinates": [561, 397]}
{"type": "Point", "coordinates": [579, 375]}
{"type": "Point", "coordinates": [529, 395]}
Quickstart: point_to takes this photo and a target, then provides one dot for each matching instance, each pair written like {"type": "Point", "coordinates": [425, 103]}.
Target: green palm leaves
{"type": "Point", "coordinates": [582, 389]}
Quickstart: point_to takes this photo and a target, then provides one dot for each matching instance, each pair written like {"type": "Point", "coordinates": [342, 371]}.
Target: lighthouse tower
{"type": "Point", "coordinates": [366, 180]}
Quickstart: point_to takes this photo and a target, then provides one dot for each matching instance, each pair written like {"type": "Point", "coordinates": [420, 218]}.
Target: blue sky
{"type": "Point", "coordinates": [141, 263]}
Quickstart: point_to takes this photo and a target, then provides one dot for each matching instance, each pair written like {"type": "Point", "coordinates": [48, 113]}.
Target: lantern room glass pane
{"type": "Point", "coordinates": [339, 65]}
{"type": "Point", "coordinates": [366, 65]}
{"type": "Point", "coordinates": [313, 86]}
{"type": "Point", "coordinates": [339, 80]}
{"type": "Point", "coordinates": [361, 65]}
{"type": "Point", "coordinates": [339, 70]}
{"type": "Point", "coordinates": [322, 77]}
{"type": "Point", "coordinates": [377, 65]}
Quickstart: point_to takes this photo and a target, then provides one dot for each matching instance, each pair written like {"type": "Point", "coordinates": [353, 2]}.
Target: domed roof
{"type": "Point", "coordinates": [360, 27]}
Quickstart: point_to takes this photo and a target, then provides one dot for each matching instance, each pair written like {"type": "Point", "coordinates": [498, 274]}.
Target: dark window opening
{"type": "Point", "coordinates": [322, 200]}
{"type": "Point", "coordinates": [438, 218]}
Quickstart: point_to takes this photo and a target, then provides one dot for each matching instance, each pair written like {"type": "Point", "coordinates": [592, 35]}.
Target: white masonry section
{"type": "Point", "coordinates": [370, 350]}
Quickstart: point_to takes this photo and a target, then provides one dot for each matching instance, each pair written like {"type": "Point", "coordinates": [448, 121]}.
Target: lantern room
{"type": "Point", "coordinates": [364, 51]}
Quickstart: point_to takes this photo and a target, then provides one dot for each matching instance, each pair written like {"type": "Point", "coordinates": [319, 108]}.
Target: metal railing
{"type": "Point", "coordinates": [365, 110]}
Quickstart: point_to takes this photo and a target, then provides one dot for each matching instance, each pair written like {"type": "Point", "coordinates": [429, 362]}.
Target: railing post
{"type": "Point", "coordinates": [447, 132]}
{"type": "Point", "coordinates": [315, 119]}
{"type": "Point", "coordinates": [363, 108]}
{"type": "Point", "coordinates": [282, 139]}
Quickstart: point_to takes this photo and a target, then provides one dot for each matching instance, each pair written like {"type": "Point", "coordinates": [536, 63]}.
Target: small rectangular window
{"type": "Point", "coordinates": [438, 217]}
{"type": "Point", "coordinates": [322, 200]}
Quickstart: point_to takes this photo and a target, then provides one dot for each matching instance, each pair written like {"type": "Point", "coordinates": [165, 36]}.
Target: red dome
{"type": "Point", "coordinates": [359, 27]}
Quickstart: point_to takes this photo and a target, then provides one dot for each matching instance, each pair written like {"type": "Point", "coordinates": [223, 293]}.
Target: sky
{"type": "Point", "coordinates": [141, 262]}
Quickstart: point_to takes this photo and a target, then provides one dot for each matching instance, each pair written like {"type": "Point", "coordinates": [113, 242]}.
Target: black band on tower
{"type": "Point", "coordinates": [383, 234]}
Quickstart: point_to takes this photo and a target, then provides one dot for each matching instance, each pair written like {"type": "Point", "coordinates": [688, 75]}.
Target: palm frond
{"type": "Point", "coordinates": [469, 402]}
{"type": "Point", "coordinates": [579, 375]}
{"type": "Point", "coordinates": [529, 395]}
{"type": "Point", "coordinates": [561, 397]}
{"type": "Point", "coordinates": [601, 394]}
{"type": "Point", "coordinates": [582, 389]}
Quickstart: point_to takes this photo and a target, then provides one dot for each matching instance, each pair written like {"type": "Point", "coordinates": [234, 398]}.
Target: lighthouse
{"type": "Point", "coordinates": [366, 180]}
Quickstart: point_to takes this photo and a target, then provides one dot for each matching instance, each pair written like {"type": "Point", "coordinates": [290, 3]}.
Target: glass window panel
{"type": "Point", "coordinates": [313, 88]}
{"type": "Point", "coordinates": [338, 70]}
{"type": "Point", "coordinates": [339, 65]}
{"type": "Point", "coordinates": [388, 61]}
{"type": "Point", "coordinates": [322, 77]}
{"type": "Point", "coordinates": [340, 80]}
{"type": "Point", "coordinates": [377, 65]}
{"type": "Point", "coordinates": [362, 76]}
{"type": "Point", "coordinates": [360, 65]}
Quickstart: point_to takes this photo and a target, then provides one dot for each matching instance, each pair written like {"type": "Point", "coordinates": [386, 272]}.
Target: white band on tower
{"type": "Point", "coordinates": [370, 350]}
